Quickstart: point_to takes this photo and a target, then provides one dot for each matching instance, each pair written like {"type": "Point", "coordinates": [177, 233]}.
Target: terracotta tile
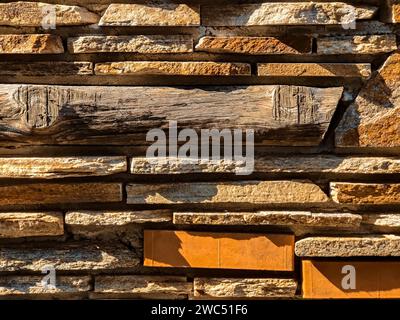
{"type": "Point", "coordinates": [219, 250]}
{"type": "Point", "coordinates": [323, 279]}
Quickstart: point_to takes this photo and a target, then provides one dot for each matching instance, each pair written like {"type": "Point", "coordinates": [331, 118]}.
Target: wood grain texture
{"type": "Point", "coordinates": [280, 115]}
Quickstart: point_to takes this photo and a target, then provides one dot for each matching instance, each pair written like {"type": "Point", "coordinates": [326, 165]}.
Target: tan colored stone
{"type": "Point", "coordinates": [173, 68]}
{"type": "Point", "coordinates": [275, 164]}
{"type": "Point", "coordinates": [135, 44]}
{"type": "Point", "coordinates": [286, 13]}
{"type": "Point", "coordinates": [151, 14]}
{"type": "Point", "coordinates": [217, 250]}
{"type": "Point", "coordinates": [361, 246]}
{"type": "Point", "coordinates": [30, 44]}
{"type": "Point", "coordinates": [61, 167]}
{"type": "Point", "coordinates": [255, 45]}
{"type": "Point", "coordinates": [390, 12]}
{"type": "Point", "coordinates": [346, 70]}
{"type": "Point", "coordinates": [30, 224]}
{"type": "Point", "coordinates": [371, 44]}
{"type": "Point", "coordinates": [373, 120]}
{"type": "Point", "coordinates": [244, 288]}
{"type": "Point", "coordinates": [146, 287]}
{"type": "Point", "coordinates": [30, 287]}
{"type": "Point", "coordinates": [53, 68]}
{"type": "Point", "coordinates": [116, 218]}
{"type": "Point", "coordinates": [287, 218]}
{"type": "Point", "coordinates": [382, 222]}
{"type": "Point", "coordinates": [365, 193]}
{"type": "Point", "coordinates": [33, 14]}
{"type": "Point", "coordinates": [47, 193]}
{"type": "Point", "coordinates": [246, 192]}
{"type": "Point", "coordinates": [80, 256]}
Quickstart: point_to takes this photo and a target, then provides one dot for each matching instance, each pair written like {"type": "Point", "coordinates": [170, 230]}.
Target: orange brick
{"type": "Point", "coordinates": [323, 280]}
{"type": "Point", "coordinates": [219, 250]}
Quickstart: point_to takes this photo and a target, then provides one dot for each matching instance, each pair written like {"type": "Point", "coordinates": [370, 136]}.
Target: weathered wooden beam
{"type": "Point", "coordinates": [279, 115]}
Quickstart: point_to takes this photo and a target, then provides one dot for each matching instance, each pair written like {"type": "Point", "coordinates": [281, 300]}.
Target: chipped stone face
{"type": "Point", "coordinates": [53, 68]}
{"type": "Point", "coordinates": [275, 164]}
{"type": "Point", "coordinates": [151, 14]}
{"type": "Point", "coordinates": [371, 44]}
{"type": "Point", "coordinates": [365, 193]}
{"type": "Point", "coordinates": [134, 44]}
{"type": "Point", "coordinates": [373, 120]}
{"type": "Point", "coordinates": [30, 44]}
{"type": "Point", "coordinates": [173, 68]}
{"type": "Point", "coordinates": [289, 218]}
{"type": "Point", "coordinates": [68, 257]}
{"type": "Point", "coordinates": [346, 70]}
{"type": "Point", "coordinates": [25, 224]}
{"type": "Point", "coordinates": [116, 218]}
{"type": "Point", "coordinates": [255, 45]}
{"type": "Point", "coordinates": [287, 13]}
{"type": "Point", "coordinates": [29, 287]}
{"type": "Point", "coordinates": [145, 287]}
{"type": "Point", "coordinates": [61, 167]}
{"type": "Point", "coordinates": [33, 14]}
{"type": "Point", "coordinates": [250, 192]}
{"type": "Point", "coordinates": [362, 246]}
{"type": "Point", "coordinates": [244, 288]}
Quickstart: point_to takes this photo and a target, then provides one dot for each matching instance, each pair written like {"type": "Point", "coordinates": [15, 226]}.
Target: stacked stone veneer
{"type": "Point", "coordinates": [78, 194]}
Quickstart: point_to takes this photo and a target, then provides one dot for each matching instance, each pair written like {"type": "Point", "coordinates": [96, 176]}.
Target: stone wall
{"type": "Point", "coordinates": [318, 82]}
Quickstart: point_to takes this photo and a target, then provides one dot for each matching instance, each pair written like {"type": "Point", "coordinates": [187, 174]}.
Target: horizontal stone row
{"type": "Point", "coordinates": [282, 192]}
{"type": "Point", "coordinates": [373, 119]}
{"type": "Point", "coordinates": [268, 164]}
{"type": "Point", "coordinates": [63, 167]}
{"type": "Point", "coordinates": [193, 249]}
{"type": "Point", "coordinates": [91, 224]}
{"type": "Point", "coordinates": [166, 14]}
{"type": "Point", "coordinates": [146, 287]}
{"type": "Point", "coordinates": [161, 44]}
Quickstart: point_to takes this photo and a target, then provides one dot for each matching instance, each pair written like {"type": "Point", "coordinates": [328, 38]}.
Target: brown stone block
{"type": "Point", "coordinates": [30, 44]}
{"type": "Point", "coordinates": [323, 279]}
{"type": "Point", "coordinates": [47, 193]}
{"type": "Point", "coordinates": [248, 251]}
{"type": "Point", "coordinates": [173, 68]}
{"type": "Point", "coordinates": [255, 45]}
{"type": "Point", "coordinates": [31, 224]}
